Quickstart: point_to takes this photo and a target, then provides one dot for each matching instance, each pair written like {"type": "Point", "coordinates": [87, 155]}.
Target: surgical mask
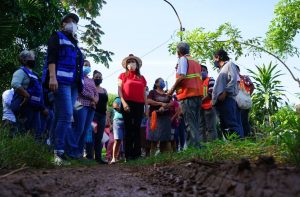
{"type": "Point", "coordinates": [71, 28]}
{"type": "Point", "coordinates": [30, 63]}
{"type": "Point", "coordinates": [216, 64]}
{"type": "Point", "coordinates": [97, 81]}
{"type": "Point", "coordinates": [86, 70]}
{"type": "Point", "coordinates": [131, 66]}
{"type": "Point", "coordinates": [162, 85]}
{"type": "Point", "coordinates": [204, 74]}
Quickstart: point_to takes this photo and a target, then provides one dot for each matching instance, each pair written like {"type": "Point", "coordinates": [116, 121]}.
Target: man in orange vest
{"type": "Point", "coordinates": [208, 119]}
{"type": "Point", "coordinates": [245, 83]}
{"type": "Point", "coordinates": [189, 92]}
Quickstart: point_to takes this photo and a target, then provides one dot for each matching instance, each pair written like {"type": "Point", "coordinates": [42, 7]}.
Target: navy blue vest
{"type": "Point", "coordinates": [34, 89]}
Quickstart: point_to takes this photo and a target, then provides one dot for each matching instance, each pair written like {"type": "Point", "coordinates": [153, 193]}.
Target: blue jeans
{"type": "Point", "coordinates": [95, 148]}
{"type": "Point", "coordinates": [191, 113]}
{"type": "Point", "coordinates": [46, 123]}
{"type": "Point", "coordinates": [64, 100]}
{"type": "Point", "coordinates": [30, 120]}
{"type": "Point", "coordinates": [245, 122]}
{"type": "Point", "coordinates": [230, 116]}
{"type": "Point", "coordinates": [76, 137]}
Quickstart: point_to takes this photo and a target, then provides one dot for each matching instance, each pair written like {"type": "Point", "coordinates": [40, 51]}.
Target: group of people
{"type": "Point", "coordinates": [70, 107]}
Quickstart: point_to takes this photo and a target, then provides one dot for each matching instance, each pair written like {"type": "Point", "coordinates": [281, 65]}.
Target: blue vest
{"type": "Point", "coordinates": [66, 66]}
{"type": "Point", "coordinates": [34, 89]}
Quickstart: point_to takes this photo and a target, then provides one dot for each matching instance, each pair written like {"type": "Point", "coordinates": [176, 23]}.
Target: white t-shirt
{"type": "Point", "coordinates": [6, 100]}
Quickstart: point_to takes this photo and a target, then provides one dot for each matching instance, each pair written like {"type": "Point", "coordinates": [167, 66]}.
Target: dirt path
{"type": "Point", "coordinates": [190, 178]}
{"type": "Point", "coordinates": [100, 180]}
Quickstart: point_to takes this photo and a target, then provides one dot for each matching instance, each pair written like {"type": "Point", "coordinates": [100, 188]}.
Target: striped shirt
{"type": "Point", "coordinates": [88, 93]}
{"type": "Point", "coordinates": [211, 84]}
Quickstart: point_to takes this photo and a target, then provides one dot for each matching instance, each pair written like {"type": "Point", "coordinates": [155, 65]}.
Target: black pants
{"type": "Point", "coordinates": [245, 122]}
{"type": "Point", "coordinates": [132, 122]}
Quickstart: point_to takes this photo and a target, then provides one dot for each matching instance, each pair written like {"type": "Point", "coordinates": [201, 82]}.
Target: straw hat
{"type": "Point", "coordinates": [131, 56]}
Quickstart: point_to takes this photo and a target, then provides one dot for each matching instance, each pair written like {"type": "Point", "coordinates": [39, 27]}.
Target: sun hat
{"type": "Point", "coordinates": [69, 15]}
{"type": "Point", "coordinates": [131, 56]}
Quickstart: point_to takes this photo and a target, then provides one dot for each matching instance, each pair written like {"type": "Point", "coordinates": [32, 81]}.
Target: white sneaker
{"type": "Point", "coordinates": [60, 160]}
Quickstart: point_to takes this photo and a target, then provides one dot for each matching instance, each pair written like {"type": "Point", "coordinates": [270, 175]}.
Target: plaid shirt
{"type": "Point", "coordinates": [88, 93]}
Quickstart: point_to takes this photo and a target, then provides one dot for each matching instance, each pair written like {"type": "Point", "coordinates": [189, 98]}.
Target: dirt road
{"type": "Point", "coordinates": [190, 178]}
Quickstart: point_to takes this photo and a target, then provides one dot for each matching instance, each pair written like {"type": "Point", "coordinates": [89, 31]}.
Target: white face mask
{"type": "Point", "coordinates": [131, 66]}
{"type": "Point", "coordinates": [71, 28]}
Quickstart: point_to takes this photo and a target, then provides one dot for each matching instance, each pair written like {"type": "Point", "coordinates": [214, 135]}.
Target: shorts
{"type": "Point", "coordinates": [118, 129]}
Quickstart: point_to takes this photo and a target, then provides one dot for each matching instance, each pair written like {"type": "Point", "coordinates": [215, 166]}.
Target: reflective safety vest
{"type": "Point", "coordinates": [207, 104]}
{"type": "Point", "coordinates": [66, 66]}
{"type": "Point", "coordinates": [191, 85]}
{"type": "Point", "coordinates": [34, 89]}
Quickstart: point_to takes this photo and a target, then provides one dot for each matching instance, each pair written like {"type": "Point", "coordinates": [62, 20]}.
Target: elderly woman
{"type": "Point", "coordinates": [132, 92]}
{"type": "Point", "coordinates": [28, 98]}
{"type": "Point", "coordinates": [84, 114]}
{"type": "Point", "coordinates": [160, 103]}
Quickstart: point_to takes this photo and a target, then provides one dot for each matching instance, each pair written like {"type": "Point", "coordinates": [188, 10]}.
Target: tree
{"type": "Point", "coordinates": [28, 24]}
{"type": "Point", "coordinates": [268, 93]}
{"type": "Point", "coordinates": [283, 28]}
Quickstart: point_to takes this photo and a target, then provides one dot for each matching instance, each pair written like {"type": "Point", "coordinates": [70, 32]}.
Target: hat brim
{"type": "Point", "coordinates": [70, 15]}
{"type": "Point", "coordinates": [132, 57]}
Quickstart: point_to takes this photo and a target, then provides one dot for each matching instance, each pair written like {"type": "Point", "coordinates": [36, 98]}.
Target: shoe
{"type": "Point", "coordinates": [101, 161]}
{"type": "Point", "coordinates": [61, 160]}
{"type": "Point", "coordinates": [113, 161]}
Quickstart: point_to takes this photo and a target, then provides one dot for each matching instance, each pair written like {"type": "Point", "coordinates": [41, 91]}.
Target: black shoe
{"type": "Point", "coordinates": [101, 161]}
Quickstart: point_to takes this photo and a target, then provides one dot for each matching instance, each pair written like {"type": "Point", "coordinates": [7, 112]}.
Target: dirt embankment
{"type": "Point", "coordinates": [192, 178]}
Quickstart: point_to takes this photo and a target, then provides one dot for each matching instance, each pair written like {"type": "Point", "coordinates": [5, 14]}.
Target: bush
{"type": "Point", "coordinates": [23, 150]}
{"type": "Point", "coordinates": [286, 123]}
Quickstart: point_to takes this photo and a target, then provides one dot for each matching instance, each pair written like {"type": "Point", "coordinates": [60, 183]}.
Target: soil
{"type": "Point", "coordinates": [190, 178]}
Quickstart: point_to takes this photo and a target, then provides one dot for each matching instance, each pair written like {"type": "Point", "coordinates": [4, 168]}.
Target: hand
{"type": "Point", "coordinates": [94, 100]}
{"type": "Point", "coordinates": [93, 104]}
{"type": "Point", "coordinates": [164, 104]}
{"type": "Point", "coordinates": [45, 112]}
{"type": "Point", "coordinates": [222, 96]}
{"type": "Point", "coordinates": [147, 112]}
{"type": "Point", "coordinates": [161, 109]}
{"type": "Point", "coordinates": [170, 92]}
{"type": "Point", "coordinates": [126, 108]}
{"type": "Point", "coordinates": [205, 98]}
{"type": "Point", "coordinates": [53, 85]}
{"type": "Point", "coordinates": [24, 101]}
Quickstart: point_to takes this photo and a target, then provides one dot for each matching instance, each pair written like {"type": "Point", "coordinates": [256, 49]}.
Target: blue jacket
{"type": "Point", "coordinates": [34, 89]}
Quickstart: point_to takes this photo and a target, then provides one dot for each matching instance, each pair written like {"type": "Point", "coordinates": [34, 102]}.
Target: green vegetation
{"type": "Point", "coordinates": [23, 150]}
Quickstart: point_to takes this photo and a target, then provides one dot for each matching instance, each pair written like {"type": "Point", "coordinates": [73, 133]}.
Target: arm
{"type": "Point", "coordinates": [182, 71]}
{"type": "Point", "coordinates": [16, 83]}
{"type": "Point", "coordinates": [233, 79]}
{"type": "Point", "coordinates": [125, 105]}
{"type": "Point", "coordinates": [53, 48]}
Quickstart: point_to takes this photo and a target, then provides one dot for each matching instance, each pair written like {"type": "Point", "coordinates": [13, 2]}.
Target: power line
{"type": "Point", "coordinates": [149, 52]}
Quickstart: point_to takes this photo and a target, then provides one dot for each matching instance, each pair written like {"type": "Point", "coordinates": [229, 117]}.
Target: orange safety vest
{"type": "Point", "coordinates": [243, 86]}
{"type": "Point", "coordinates": [191, 85]}
{"type": "Point", "coordinates": [207, 104]}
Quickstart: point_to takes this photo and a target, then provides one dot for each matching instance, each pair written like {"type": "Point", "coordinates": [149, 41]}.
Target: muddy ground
{"type": "Point", "coordinates": [191, 178]}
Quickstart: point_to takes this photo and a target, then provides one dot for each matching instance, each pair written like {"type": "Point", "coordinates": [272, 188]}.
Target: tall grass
{"type": "Point", "coordinates": [23, 150]}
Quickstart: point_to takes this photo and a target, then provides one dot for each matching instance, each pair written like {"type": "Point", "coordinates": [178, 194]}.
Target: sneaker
{"type": "Point", "coordinates": [61, 160]}
{"type": "Point", "coordinates": [113, 161]}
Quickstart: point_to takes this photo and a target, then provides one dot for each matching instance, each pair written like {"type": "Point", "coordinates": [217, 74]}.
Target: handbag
{"type": "Point", "coordinates": [243, 99]}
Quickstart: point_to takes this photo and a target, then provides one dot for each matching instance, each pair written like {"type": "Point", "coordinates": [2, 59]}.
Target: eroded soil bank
{"type": "Point", "coordinates": [190, 178]}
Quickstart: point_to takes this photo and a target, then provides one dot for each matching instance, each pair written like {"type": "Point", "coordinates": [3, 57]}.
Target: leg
{"type": "Point", "coordinates": [97, 137]}
{"type": "Point", "coordinates": [245, 122]}
{"type": "Point", "coordinates": [211, 122]}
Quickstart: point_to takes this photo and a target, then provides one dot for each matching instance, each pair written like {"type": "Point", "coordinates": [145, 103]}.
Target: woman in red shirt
{"type": "Point", "coordinates": [132, 92]}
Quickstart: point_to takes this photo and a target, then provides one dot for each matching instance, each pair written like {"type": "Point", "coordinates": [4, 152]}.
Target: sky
{"type": "Point", "coordinates": [146, 27]}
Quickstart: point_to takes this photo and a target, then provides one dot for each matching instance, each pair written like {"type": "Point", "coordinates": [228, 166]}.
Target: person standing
{"type": "Point", "coordinates": [83, 117]}
{"type": "Point", "coordinates": [132, 92]}
{"type": "Point", "coordinates": [208, 119]}
{"type": "Point", "coordinates": [8, 117]}
{"type": "Point", "coordinates": [189, 92]}
{"type": "Point", "coordinates": [247, 85]}
{"type": "Point", "coordinates": [63, 76]}
{"type": "Point", "coordinates": [28, 91]}
{"type": "Point", "coordinates": [224, 92]}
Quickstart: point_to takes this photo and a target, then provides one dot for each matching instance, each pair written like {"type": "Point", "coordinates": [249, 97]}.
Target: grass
{"type": "Point", "coordinates": [23, 150]}
{"type": "Point", "coordinates": [220, 150]}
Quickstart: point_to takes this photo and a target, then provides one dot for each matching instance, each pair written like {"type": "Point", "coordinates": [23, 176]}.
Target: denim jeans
{"type": "Point", "coordinates": [245, 121]}
{"type": "Point", "coordinates": [181, 134]}
{"type": "Point", "coordinates": [77, 136]}
{"type": "Point", "coordinates": [191, 113]}
{"type": "Point", "coordinates": [46, 123]}
{"type": "Point", "coordinates": [208, 124]}
{"type": "Point", "coordinates": [95, 147]}
{"type": "Point", "coordinates": [29, 119]}
{"type": "Point", "coordinates": [230, 116]}
{"type": "Point", "coordinates": [64, 100]}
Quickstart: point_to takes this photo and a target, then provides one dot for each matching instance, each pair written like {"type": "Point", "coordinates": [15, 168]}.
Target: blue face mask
{"type": "Point", "coordinates": [204, 74]}
{"type": "Point", "coordinates": [86, 70]}
{"type": "Point", "coordinates": [216, 64]}
{"type": "Point", "coordinates": [162, 85]}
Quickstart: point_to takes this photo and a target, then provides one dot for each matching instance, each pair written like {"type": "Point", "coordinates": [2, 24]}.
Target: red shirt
{"type": "Point", "coordinates": [133, 87]}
